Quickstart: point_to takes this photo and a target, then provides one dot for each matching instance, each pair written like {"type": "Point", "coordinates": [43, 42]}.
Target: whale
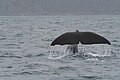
{"type": "Point", "coordinates": [74, 38]}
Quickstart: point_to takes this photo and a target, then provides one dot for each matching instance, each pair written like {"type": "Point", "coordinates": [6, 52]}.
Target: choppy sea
{"type": "Point", "coordinates": [25, 48]}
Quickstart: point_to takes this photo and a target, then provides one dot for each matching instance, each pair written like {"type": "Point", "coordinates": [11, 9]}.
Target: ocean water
{"type": "Point", "coordinates": [25, 48]}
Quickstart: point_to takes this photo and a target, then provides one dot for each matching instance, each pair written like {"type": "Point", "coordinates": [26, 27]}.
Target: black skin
{"type": "Point", "coordinates": [73, 38]}
{"type": "Point", "coordinates": [72, 48]}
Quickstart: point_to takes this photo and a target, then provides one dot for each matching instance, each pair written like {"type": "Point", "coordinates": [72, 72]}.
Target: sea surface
{"type": "Point", "coordinates": [25, 48]}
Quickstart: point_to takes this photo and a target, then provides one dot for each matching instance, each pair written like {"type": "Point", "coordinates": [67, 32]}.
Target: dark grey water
{"type": "Point", "coordinates": [25, 45]}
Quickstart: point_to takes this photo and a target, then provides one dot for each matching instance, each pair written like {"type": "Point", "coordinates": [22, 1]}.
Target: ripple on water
{"type": "Point", "coordinates": [34, 69]}
{"type": "Point", "coordinates": [66, 68]}
{"type": "Point", "coordinates": [33, 55]}
{"type": "Point", "coordinates": [2, 39]}
{"type": "Point", "coordinates": [91, 77]}
{"type": "Point", "coordinates": [9, 54]}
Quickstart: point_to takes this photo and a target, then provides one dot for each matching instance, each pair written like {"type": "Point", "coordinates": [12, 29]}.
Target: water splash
{"type": "Point", "coordinates": [58, 52]}
{"type": "Point", "coordinates": [99, 50]}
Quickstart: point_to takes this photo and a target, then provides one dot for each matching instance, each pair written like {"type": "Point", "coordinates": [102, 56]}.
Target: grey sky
{"type": "Point", "coordinates": [59, 7]}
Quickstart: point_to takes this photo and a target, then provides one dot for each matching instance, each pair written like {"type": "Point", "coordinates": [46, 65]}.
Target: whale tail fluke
{"type": "Point", "coordinates": [76, 37]}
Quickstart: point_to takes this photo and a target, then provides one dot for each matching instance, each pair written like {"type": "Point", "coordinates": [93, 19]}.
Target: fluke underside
{"type": "Point", "coordinates": [83, 37]}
